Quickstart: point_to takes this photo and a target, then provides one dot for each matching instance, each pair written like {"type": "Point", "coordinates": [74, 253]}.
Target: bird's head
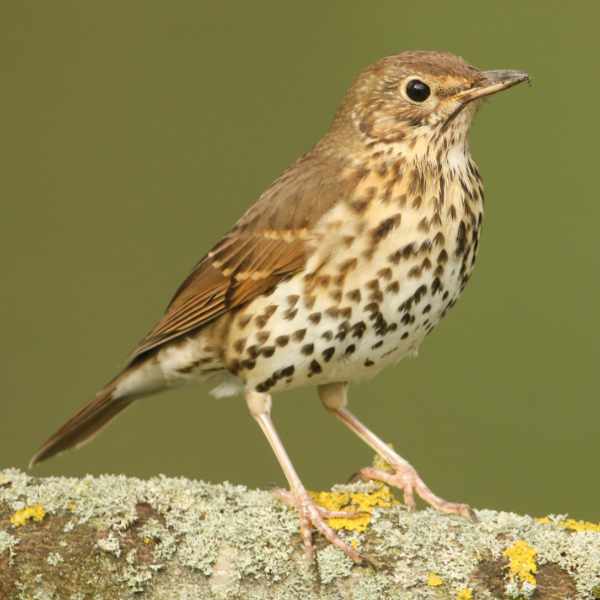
{"type": "Point", "coordinates": [416, 98]}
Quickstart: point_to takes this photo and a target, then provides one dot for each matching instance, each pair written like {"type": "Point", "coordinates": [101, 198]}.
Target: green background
{"type": "Point", "coordinates": [133, 134]}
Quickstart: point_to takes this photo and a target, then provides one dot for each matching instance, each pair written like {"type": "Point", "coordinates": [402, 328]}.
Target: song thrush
{"type": "Point", "coordinates": [341, 268]}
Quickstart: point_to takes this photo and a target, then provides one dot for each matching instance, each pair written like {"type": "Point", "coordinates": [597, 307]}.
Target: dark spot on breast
{"type": "Point", "coordinates": [268, 351]}
{"type": "Point", "coordinates": [406, 305]}
{"type": "Point", "coordinates": [416, 202]}
{"type": "Point", "coordinates": [248, 365]}
{"type": "Point", "coordinates": [244, 320]}
{"type": "Point", "coordinates": [385, 273]}
{"type": "Point", "coordinates": [371, 307]}
{"type": "Point", "coordinates": [439, 239]}
{"type": "Point", "coordinates": [395, 257]}
{"type": "Point", "coordinates": [314, 367]}
{"type": "Point", "coordinates": [414, 272]}
{"type": "Point", "coordinates": [298, 335]}
{"type": "Point", "coordinates": [327, 335]}
{"type": "Point", "coordinates": [344, 326]}
{"type": "Point", "coordinates": [309, 301]}
{"type": "Point", "coordinates": [393, 287]}
{"type": "Point", "coordinates": [240, 345]}
{"type": "Point", "coordinates": [282, 340]}
{"type": "Point", "coordinates": [436, 286]}
{"type": "Point", "coordinates": [332, 312]}
{"type": "Point", "coordinates": [336, 295]}
{"type": "Point", "coordinates": [401, 200]}
{"type": "Point", "coordinates": [349, 264]}
{"type": "Point", "coordinates": [261, 321]}
{"type": "Point", "coordinates": [315, 317]}
{"type": "Point", "coordinates": [253, 351]}
{"type": "Point", "coordinates": [350, 349]}
{"type": "Point", "coordinates": [339, 280]}
{"type": "Point", "coordinates": [262, 336]}
{"type": "Point", "coordinates": [288, 371]}
{"type": "Point", "coordinates": [369, 363]}
{"type": "Point", "coordinates": [358, 329]}
{"type": "Point", "coordinates": [293, 300]}
{"type": "Point", "coordinates": [426, 309]}
{"type": "Point", "coordinates": [324, 280]}
{"type": "Point", "coordinates": [354, 295]}
{"type": "Point", "coordinates": [408, 250]}
{"type": "Point", "coordinates": [419, 293]}
{"type": "Point", "coordinates": [307, 349]}
{"type": "Point", "coordinates": [380, 325]}
{"type": "Point", "coordinates": [385, 227]}
{"type": "Point", "coordinates": [461, 239]}
{"type": "Point", "coordinates": [376, 296]}
{"type": "Point", "coordinates": [264, 386]}
{"type": "Point", "coordinates": [377, 345]}
{"type": "Point", "coordinates": [346, 312]}
{"type": "Point", "coordinates": [404, 335]}
{"type": "Point", "coordinates": [328, 353]}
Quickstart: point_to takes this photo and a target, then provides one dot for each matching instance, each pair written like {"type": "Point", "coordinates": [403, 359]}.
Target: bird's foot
{"type": "Point", "coordinates": [406, 478]}
{"type": "Point", "coordinates": [313, 516]}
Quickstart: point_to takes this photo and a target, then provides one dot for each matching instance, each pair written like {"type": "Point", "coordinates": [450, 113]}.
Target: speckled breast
{"type": "Point", "coordinates": [385, 266]}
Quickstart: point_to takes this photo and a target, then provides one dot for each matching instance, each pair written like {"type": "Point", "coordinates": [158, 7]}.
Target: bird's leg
{"type": "Point", "coordinates": [311, 515]}
{"type": "Point", "coordinates": [403, 476]}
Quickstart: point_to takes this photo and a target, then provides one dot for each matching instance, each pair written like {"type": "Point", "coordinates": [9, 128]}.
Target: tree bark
{"type": "Point", "coordinates": [115, 537]}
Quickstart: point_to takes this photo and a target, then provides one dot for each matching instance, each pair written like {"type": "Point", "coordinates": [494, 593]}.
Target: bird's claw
{"type": "Point", "coordinates": [313, 516]}
{"type": "Point", "coordinates": [406, 478]}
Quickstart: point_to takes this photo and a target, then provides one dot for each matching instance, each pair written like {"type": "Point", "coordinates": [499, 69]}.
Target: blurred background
{"type": "Point", "coordinates": [134, 134]}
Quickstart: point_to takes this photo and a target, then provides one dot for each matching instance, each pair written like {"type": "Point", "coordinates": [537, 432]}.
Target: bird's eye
{"type": "Point", "coordinates": [417, 90]}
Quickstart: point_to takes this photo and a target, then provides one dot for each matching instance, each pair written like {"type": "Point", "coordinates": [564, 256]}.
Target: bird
{"type": "Point", "coordinates": [340, 268]}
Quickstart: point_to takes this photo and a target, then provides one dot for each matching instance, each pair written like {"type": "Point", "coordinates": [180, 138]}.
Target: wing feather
{"type": "Point", "coordinates": [267, 245]}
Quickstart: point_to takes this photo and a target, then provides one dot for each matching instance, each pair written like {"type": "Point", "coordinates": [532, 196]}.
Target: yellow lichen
{"type": "Point", "coordinates": [522, 563]}
{"type": "Point", "coordinates": [35, 513]}
{"type": "Point", "coordinates": [434, 580]}
{"type": "Point", "coordinates": [361, 504]}
{"type": "Point", "coordinates": [571, 524]}
{"type": "Point", "coordinates": [574, 525]}
{"type": "Point", "coordinates": [464, 594]}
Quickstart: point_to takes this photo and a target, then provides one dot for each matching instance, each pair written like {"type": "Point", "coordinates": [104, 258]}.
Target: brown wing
{"type": "Point", "coordinates": [267, 244]}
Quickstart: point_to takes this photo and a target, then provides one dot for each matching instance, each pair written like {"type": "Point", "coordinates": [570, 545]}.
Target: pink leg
{"type": "Point", "coordinates": [404, 476]}
{"type": "Point", "coordinates": [311, 515]}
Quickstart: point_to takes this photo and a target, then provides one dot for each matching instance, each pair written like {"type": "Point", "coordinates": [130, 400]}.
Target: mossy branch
{"type": "Point", "coordinates": [116, 537]}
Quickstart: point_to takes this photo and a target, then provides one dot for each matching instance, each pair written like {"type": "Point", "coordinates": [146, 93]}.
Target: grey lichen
{"type": "Point", "coordinates": [7, 544]}
{"type": "Point", "coordinates": [115, 537]}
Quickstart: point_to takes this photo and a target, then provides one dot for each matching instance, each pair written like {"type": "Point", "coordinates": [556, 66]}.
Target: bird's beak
{"type": "Point", "coordinates": [490, 83]}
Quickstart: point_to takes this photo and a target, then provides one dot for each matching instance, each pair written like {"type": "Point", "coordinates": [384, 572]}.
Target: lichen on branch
{"type": "Point", "coordinates": [115, 537]}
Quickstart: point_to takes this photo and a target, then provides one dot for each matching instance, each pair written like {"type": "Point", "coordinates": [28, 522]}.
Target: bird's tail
{"type": "Point", "coordinates": [87, 422]}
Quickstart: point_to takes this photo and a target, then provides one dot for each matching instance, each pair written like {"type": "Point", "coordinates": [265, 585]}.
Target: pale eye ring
{"type": "Point", "coordinates": [417, 90]}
